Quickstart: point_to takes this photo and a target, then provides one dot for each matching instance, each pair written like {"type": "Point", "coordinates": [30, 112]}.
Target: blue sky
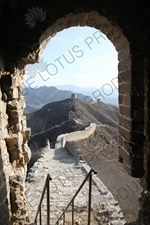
{"type": "Point", "coordinates": [79, 56]}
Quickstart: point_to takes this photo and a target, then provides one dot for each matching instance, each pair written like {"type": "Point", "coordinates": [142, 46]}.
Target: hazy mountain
{"type": "Point", "coordinates": [38, 97]}
{"type": "Point", "coordinates": [106, 95]}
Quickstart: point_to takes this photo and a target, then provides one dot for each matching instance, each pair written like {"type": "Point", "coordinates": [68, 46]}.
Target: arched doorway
{"type": "Point", "coordinates": [124, 24]}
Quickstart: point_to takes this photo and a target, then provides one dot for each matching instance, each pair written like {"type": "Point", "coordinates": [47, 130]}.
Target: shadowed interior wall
{"type": "Point", "coordinates": [126, 24]}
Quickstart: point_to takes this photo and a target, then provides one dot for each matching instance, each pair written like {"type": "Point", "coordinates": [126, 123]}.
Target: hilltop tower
{"type": "Point", "coordinates": [73, 96]}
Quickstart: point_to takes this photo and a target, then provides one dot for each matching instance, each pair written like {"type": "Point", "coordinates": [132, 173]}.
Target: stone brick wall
{"type": "Point", "coordinates": [73, 150]}
{"type": "Point", "coordinates": [14, 151]}
{"type": "Point", "coordinates": [5, 166]}
{"type": "Point", "coordinates": [78, 135]}
{"type": "Point", "coordinates": [4, 184]}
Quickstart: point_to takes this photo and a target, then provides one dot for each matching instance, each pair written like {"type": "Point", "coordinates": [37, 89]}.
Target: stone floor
{"type": "Point", "coordinates": [67, 175]}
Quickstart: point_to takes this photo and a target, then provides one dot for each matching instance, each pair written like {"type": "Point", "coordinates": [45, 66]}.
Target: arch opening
{"type": "Point", "coordinates": [25, 46]}
{"type": "Point", "coordinates": [125, 79]}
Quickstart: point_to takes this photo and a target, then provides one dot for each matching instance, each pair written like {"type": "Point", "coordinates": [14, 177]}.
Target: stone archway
{"type": "Point", "coordinates": [126, 26]}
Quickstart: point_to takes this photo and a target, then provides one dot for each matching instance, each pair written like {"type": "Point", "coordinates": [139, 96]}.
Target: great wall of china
{"type": "Point", "coordinates": [67, 174]}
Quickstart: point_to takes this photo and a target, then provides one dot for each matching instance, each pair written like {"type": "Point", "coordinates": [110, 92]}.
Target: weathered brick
{"type": "Point", "coordinates": [126, 111]}
{"type": "Point", "coordinates": [120, 45]}
{"type": "Point", "coordinates": [126, 99]}
{"type": "Point", "coordinates": [127, 123]}
{"type": "Point", "coordinates": [124, 54]}
{"type": "Point", "coordinates": [76, 19]}
{"type": "Point", "coordinates": [125, 133]}
{"type": "Point", "coordinates": [84, 18]}
{"type": "Point", "coordinates": [124, 76]}
{"type": "Point", "coordinates": [120, 99]}
{"type": "Point", "coordinates": [92, 18]}
{"type": "Point", "coordinates": [14, 155]}
{"type": "Point", "coordinates": [125, 88]}
{"type": "Point", "coordinates": [16, 104]}
{"type": "Point", "coordinates": [124, 65]}
{"type": "Point", "coordinates": [15, 128]}
{"type": "Point", "coordinates": [13, 94]}
{"type": "Point", "coordinates": [121, 121]}
{"type": "Point", "coordinates": [15, 116]}
{"type": "Point", "coordinates": [121, 141]}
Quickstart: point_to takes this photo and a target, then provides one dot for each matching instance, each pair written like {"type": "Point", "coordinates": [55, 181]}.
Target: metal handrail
{"type": "Point", "coordinates": [46, 186]}
{"type": "Point", "coordinates": [89, 175]}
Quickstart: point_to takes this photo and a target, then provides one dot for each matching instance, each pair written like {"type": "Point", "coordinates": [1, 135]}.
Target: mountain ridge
{"type": "Point", "coordinates": [58, 114]}
{"type": "Point", "coordinates": [38, 97]}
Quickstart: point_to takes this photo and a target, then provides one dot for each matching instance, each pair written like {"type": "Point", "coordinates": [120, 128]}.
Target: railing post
{"type": "Point", "coordinates": [89, 176]}
{"type": "Point", "coordinates": [64, 219]}
{"type": "Point", "coordinates": [40, 217]}
{"type": "Point", "coordinates": [89, 205]}
{"type": "Point", "coordinates": [48, 201]}
{"type": "Point", "coordinates": [73, 212]}
{"type": "Point", "coordinates": [46, 186]}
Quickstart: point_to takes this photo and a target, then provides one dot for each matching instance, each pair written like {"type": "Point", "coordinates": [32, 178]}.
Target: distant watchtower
{"type": "Point", "coordinates": [73, 96]}
{"type": "Point", "coordinates": [75, 113]}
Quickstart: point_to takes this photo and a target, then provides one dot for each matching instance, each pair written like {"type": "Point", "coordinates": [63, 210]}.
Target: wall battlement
{"type": "Point", "coordinates": [78, 135]}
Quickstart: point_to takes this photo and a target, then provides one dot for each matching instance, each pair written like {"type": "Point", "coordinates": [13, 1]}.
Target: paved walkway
{"type": "Point", "coordinates": [67, 176]}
